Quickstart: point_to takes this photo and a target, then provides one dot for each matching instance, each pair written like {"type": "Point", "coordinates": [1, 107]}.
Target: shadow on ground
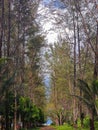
{"type": "Point", "coordinates": [47, 128]}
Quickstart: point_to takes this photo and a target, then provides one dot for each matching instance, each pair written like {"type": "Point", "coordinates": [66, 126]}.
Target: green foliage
{"type": "Point", "coordinates": [95, 86]}
{"type": "Point", "coordinates": [85, 122]}
{"type": "Point", "coordinates": [89, 93]}
{"type": "Point", "coordinates": [40, 99]}
{"type": "Point", "coordinates": [96, 124]}
{"type": "Point", "coordinates": [3, 60]}
{"type": "Point", "coordinates": [7, 83]}
{"type": "Point", "coordinates": [68, 127]}
{"type": "Point", "coordinates": [9, 103]}
{"type": "Point", "coordinates": [63, 127]}
{"type": "Point", "coordinates": [29, 111]}
{"type": "Point", "coordinates": [42, 116]}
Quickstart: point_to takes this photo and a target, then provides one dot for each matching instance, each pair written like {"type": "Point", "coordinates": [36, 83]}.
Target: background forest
{"type": "Point", "coordinates": [70, 91]}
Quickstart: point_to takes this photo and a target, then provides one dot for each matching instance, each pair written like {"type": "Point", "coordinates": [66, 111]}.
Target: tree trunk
{"type": "Point", "coordinates": [79, 62]}
{"type": "Point", "coordinates": [92, 127]}
{"type": "Point", "coordinates": [1, 26]}
{"type": "Point", "coordinates": [82, 118]}
{"type": "Point", "coordinates": [15, 113]}
{"type": "Point", "coordinates": [7, 112]}
{"type": "Point", "coordinates": [96, 55]}
{"type": "Point", "coordinates": [58, 116]}
{"type": "Point", "coordinates": [74, 88]}
{"type": "Point", "coordinates": [9, 27]}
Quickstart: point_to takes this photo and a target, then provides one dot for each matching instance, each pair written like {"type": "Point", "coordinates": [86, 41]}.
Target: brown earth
{"type": "Point", "coordinates": [47, 128]}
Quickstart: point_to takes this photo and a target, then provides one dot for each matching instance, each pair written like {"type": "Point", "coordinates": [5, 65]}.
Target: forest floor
{"type": "Point", "coordinates": [47, 128]}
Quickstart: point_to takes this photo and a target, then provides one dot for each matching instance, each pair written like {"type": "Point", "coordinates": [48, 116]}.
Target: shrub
{"type": "Point", "coordinates": [86, 122]}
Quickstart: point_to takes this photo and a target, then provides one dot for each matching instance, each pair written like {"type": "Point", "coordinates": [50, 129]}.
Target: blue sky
{"type": "Point", "coordinates": [46, 2]}
{"type": "Point", "coordinates": [55, 3]}
{"type": "Point", "coordinates": [49, 121]}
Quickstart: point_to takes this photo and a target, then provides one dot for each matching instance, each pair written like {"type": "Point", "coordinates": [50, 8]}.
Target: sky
{"type": "Point", "coordinates": [47, 16]}
{"type": "Point", "coordinates": [54, 3]}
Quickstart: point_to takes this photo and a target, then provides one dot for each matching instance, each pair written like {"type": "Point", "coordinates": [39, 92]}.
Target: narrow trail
{"type": "Point", "coordinates": [47, 128]}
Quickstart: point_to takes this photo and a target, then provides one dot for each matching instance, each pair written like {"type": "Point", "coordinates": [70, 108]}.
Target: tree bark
{"type": "Point", "coordinates": [74, 88]}
{"type": "Point", "coordinates": [15, 113]}
{"type": "Point", "coordinates": [96, 56]}
{"type": "Point", "coordinates": [79, 63]}
{"type": "Point", "coordinates": [1, 26]}
{"type": "Point", "coordinates": [92, 127]}
{"type": "Point", "coordinates": [9, 27]}
{"type": "Point", "coordinates": [7, 112]}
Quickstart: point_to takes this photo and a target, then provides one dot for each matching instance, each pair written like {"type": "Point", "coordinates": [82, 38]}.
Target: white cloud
{"type": "Point", "coordinates": [52, 37]}
{"type": "Point", "coordinates": [48, 21]}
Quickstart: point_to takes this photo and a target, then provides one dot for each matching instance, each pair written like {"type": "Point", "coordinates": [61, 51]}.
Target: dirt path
{"type": "Point", "coordinates": [47, 128]}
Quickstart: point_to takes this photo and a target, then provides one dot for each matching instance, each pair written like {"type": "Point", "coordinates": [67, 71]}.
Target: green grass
{"type": "Point", "coordinates": [67, 127]}
{"type": "Point", "coordinates": [63, 127]}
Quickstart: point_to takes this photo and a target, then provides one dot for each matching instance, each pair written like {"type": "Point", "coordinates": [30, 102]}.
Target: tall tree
{"type": "Point", "coordinates": [60, 63]}
{"type": "Point", "coordinates": [17, 26]}
{"type": "Point", "coordinates": [1, 25]}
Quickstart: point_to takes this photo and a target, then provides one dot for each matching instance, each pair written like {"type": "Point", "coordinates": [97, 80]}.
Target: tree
{"type": "Point", "coordinates": [60, 65]}
{"type": "Point", "coordinates": [1, 26]}
{"type": "Point", "coordinates": [89, 98]}
{"type": "Point", "coordinates": [16, 24]}
{"type": "Point", "coordinates": [30, 113]}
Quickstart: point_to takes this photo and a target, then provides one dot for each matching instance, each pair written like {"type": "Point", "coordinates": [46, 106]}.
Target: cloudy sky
{"type": "Point", "coordinates": [48, 16]}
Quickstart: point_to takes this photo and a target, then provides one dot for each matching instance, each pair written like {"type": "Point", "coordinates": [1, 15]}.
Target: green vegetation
{"type": "Point", "coordinates": [68, 127]}
{"type": "Point", "coordinates": [63, 127]}
{"type": "Point", "coordinates": [30, 112]}
{"type": "Point", "coordinates": [35, 129]}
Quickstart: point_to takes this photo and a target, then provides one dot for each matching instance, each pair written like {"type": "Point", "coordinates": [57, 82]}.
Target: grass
{"type": "Point", "coordinates": [68, 127]}
{"type": "Point", "coordinates": [63, 127]}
